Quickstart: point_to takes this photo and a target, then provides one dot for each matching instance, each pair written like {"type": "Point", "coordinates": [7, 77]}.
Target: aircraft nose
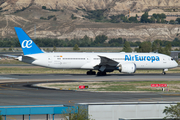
{"type": "Point", "coordinates": [175, 64]}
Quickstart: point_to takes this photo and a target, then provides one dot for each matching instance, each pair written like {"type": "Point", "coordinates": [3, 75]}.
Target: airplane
{"type": "Point", "coordinates": [103, 62]}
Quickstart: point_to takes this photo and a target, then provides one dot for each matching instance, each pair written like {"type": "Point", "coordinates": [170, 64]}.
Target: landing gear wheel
{"type": "Point", "coordinates": [164, 73]}
{"type": "Point", "coordinates": [91, 72]}
{"type": "Point", "coordinates": [88, 73]}
{"type": "Point", "coordinates": [101, 73]}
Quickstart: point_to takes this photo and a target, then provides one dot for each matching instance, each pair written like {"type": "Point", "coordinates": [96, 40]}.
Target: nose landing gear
{"type": "Point", "coordinates": [164, 71]}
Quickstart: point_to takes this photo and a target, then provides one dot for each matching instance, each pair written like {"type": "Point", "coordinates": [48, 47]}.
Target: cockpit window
{"type": "Point", "coordinates": [172, 59]}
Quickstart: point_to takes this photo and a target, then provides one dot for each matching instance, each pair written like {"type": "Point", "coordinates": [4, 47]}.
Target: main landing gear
{"type": "Point", "coordinates": [101, 73]}
{"type": "Point", "coordinates": [91, 72]}
{"type": "Point", "coordinates": [94, 73]}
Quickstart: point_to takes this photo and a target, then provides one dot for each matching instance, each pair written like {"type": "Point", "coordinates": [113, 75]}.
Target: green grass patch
{"type": "Point", "coordinates": [118, 88]}
{"type": "Point", "coordinates": [173, 86]}
{"type": "Point", "coordinates": [37, 70]}
{"type": "Point", "coordinates": [11, 61]}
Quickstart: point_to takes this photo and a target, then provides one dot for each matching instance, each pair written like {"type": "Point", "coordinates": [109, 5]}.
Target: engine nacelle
{"type": "Point", "coordinates": [127, 68]}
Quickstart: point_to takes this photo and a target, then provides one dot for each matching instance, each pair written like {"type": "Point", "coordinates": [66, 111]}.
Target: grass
{"type": "Point", "coordinates": [10, 61]}
{"type": "Point", "coordinates": [173, 86]}
{"type": "Point", "coordinates": [37, 70]}
{"type": "Point", "coordinates": [42, 70]}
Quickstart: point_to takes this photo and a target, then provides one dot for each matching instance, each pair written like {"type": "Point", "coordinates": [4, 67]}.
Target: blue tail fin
{"type": "Point", "coordinates": [27, 45]}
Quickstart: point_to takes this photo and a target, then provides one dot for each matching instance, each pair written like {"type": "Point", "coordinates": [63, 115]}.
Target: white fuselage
{"type": "Point", "coordinates": [67, 60]}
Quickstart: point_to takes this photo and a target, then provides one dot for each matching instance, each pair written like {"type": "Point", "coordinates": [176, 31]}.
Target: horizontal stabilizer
{"type": "Point", "coordinates": [11, 56]}
{"type": "Point", "coordinates": [28, 58]}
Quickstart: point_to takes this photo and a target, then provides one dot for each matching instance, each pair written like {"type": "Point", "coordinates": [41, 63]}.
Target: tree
{"type": "Point", "coordinates": [158, 20]}
{"type": "Point", "coordinates": [43, 7]}
{"type": "Point", "coordinates": [159, 16]}
{"type": "Point", "coordinates": [73, 17]}
{"type": "Point", "coordinates": [171, 22]}
{"type": "Point", "coordinates": [54, 18]}
{"type": "Point", "coordinates": [76, 47]}
{"type": "Point", "coordinates": [124, 19]}
{"type": "Point", "coordinates": [85, 41]}
{"type": "Point", "coordinates": [100, 39]}
{"type": "Point", "coordinates": [176, 42]}
{"type": "Point", "coordinates": [167, 49]}
{"type": "Point", "coordinates": [163, 16]}
{"type": "Point", "coordinates": [163, 21]}
{"type": "Point", "coordinates": [154, 15]}
{"type": "Point", "coordinates": [168, 46]}
{"type": "Point", "coordinates": [51, 16]}
{"type": "Point", "coordinates": [161, 50]}
{"type": "Point", "coordinates": [152, 19]}
{"type": "Point", "coordinates": [156, 45]}
{"type": "Point", "coordinates": [144, 18]}
{"type": "Point", "coordinates": [145, 47]}
{"type": "Point", "coordinates": [116, 42]}
{"type": "Point", "coordinates": [54, 48]}
{"type": "Point", "coordinates": [127, 47]}
{"type": "Point", "coordinates": [4, 49]}
{"type": "Point", "coordinates": [1, 117]}
{"type": "Point", "coordinates": [136, 16]}
{"type": "Point", "coordinates": [97, 15]}
{"type": "Point", "coordinates": [11, 48]}
{"type": "Point", "coordinates": [78, 113]}
{"type": "Point", "coordinates": [43, 18]}
{"type": "Point", "coordinates": [117, 18]}
{"type": "Point", "coordinates": [178, 20]}
{"type": "Point", "coordinates": [133, 19]}
{"type": "Point", "coordinates": [172, 112]}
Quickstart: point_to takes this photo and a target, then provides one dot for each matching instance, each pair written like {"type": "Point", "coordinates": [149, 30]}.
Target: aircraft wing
{"type": "Point", "coordinates": [105, 61]}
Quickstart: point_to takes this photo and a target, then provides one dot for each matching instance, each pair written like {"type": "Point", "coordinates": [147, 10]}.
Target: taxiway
{"type": "Point", "coordinates": [5, 78]}
{"type": "Point", "coordinates": [16, 89]}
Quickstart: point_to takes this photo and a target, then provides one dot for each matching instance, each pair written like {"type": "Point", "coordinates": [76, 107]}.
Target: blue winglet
{"type": "Point", "coordinates": [27, 45]}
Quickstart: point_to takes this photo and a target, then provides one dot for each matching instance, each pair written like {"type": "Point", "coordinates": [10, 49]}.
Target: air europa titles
{"type": "Point", "coordinates": [141, 58]}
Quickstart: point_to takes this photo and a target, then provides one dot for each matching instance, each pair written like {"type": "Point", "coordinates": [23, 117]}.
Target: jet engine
{"type": "Point", "coordinates": [127, 68]}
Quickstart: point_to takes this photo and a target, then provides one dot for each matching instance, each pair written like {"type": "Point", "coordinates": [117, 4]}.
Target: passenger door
{"type": "Point", "coordinates": [50, 61]}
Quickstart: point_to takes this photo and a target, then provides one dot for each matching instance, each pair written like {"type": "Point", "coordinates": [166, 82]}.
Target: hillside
{"type": "Point", "coordinates": [56, 22]}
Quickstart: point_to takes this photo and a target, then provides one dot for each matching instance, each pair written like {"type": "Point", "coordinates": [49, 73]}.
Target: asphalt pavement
{"type": "Point", "coordinates": [16, 89]}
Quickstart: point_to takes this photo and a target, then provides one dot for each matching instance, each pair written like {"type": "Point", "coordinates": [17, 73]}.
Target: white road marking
{"type": "Point", "coordinates": [1, 78]}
